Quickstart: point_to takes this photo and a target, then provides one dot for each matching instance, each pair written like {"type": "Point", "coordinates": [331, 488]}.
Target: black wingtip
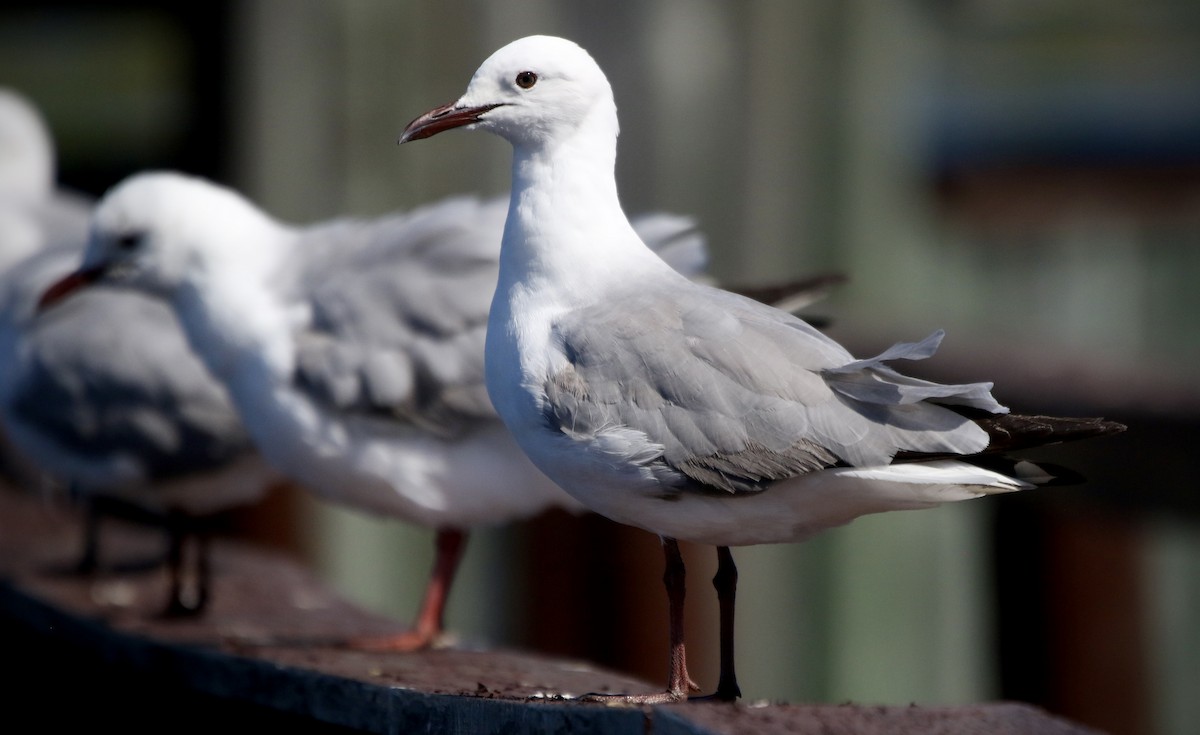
{"type": "Point", "coordinates": [1010, 432]}
{"type": "Point", "coordinates": [1014, 432]}
{"type": "Point", "coordinates": [1109, 427]}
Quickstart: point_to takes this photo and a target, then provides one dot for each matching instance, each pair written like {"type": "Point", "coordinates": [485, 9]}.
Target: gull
{"type": "Point", "coordinates": [105, 397]}
{"type": "Point", "coordinates": [34, 211]}
{"type": "Point", "coordinates": [352, 349]}
{"type": "Point", "coordinates": [689, 411]}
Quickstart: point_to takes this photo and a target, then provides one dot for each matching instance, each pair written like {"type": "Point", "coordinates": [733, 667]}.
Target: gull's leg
{"type": "Point", "coordinates": [176, 541]}
{"type": "Point", "coordinates": [678, 681]}
{"type": "Point", "coordinates": [725, 582]}
{"type": "Point", "coordinates": [203, 546]}
{"type": "Point", "coordinates": [428, 625]}
{"type": "Point", "coordinates": [180, 527]}
{"type": "Point", "coordinates": [675, 580]}
{"type": "Point", "coordinates": [89, 561]}
{"type": "Point", "coordinates": [96, 509]}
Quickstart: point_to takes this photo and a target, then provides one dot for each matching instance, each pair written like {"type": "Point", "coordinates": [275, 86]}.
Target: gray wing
{"type": "Point", "coordinates": [109, 373]}
{"type": "Point", "coordinates": [400, 307]}
{"type": "Point", "coordinates": [738, 394]}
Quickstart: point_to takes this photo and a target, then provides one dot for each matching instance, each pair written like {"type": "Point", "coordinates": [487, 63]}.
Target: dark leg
{"type": "Point", "coordinates": [96, 509]}
{"type": "Point", "coordinates": [203, 569]}
{"type": "Point", "coordinates": [89, 562]}
{"type": "Point", "coordinates": [179, 528]}
{"type": "Point", "coordinates": [429, 623]}
{"type": "Point", "coordinates": [725, 581]}
{"type": "Point", "coordinates": [176, 607]}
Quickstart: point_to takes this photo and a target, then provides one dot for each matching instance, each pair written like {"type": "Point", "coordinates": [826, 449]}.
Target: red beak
{"type": "Point", "coordinates": [441, 119]}
{"type": "Point", "coordinates": [68, 285]}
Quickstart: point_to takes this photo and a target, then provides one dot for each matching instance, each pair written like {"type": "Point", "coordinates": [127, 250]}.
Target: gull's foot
{"type": "Point", "coordinates": [727, 691]}
{"type": "Point", "coordinates": [258, 642]}
{"type": "Point", "coordinates": [635, 700]}
{"type": "Point", "coordinates": [717, 696]}
{"type": "Point", "coordinates": [406, 642]}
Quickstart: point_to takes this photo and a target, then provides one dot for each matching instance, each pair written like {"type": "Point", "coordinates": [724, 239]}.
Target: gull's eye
{"type": "Point", "coordinates": [129, 241]}
{"type": "Point", "coordinates": [526, 79]}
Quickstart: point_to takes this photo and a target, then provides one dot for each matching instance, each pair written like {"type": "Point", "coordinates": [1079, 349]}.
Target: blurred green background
{"type": "Point", "coordinates": [1024, 174]}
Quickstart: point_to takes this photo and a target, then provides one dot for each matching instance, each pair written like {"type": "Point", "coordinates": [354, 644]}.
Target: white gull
{"type": "Point", "coordinates": [353, 349]}
{"type": "Point", "coordinates": [683, 409]}
{"type": "Point", "coordinates": [104, 396]}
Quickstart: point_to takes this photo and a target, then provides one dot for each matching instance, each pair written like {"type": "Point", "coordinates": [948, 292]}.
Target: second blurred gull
{"type": "Point", "coordinates": [105, 396]}
{"type": "Point", "coordinates": [353, 349]}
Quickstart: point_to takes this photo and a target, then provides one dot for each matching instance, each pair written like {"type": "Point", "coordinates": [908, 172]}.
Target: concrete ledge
{"type": "Point", "coordinates": [92, 650]}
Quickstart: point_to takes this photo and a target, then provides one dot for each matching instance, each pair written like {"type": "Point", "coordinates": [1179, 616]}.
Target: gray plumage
{"type": "Point", "coordinates": [739, 394]}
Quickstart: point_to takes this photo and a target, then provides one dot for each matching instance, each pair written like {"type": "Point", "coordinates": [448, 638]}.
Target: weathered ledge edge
{"type": "Point", "coordinates": [194, 661]}
{"type": "Point", "coordinates": [324, 697]}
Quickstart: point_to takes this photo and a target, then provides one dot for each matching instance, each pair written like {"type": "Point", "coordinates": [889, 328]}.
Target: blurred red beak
{"type": "Point", "coordinates": [68, 285]}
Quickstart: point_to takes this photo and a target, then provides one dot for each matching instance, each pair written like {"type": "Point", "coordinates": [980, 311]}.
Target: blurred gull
{"type": "Point", "coordinates": [34, 211]}
{"type": "Point", "coordinates": [686, 410]}
{"type": "Point", "coordinates": [104, 395]}
{"type": "Point", "coordinates": [353, 349]}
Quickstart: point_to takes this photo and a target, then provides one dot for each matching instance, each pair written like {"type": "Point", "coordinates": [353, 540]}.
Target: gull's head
{"type": "Point", "coordinates": [534, 91]}
{"type": "Point", "coordinates": [156, 231]}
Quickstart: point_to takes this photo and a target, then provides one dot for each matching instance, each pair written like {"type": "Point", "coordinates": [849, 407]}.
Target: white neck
{"type": "Point", "coordinates": [235, 318]}
{"type": "Point", "coordinates": [566, 230]}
